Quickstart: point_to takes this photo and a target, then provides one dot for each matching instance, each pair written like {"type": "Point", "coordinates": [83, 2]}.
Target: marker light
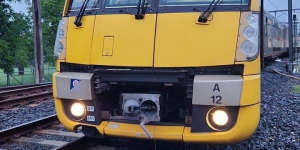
{"type": "Point", "coordinates": [60, 41]}
{"type": "Point", "coordinates": [77, 109]}
{"type": "Point", "coordinates": [248, 41]}
{"type": "Point", "coordinates": [220, 117]}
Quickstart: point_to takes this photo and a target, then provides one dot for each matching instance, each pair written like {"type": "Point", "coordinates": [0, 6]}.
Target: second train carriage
{"type": "Point", "coordinates": [275, 37]}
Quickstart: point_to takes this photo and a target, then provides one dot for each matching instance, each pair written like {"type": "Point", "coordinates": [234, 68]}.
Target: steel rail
{"type": "Point", "coordinates": [77, 144]}
{"type": "Point", "coordinates": [29, 98]}
{"type": "Point", "coordinates": [11, 92]}
{"type": "Point", "coordinates": [22, 86]}
{"type": "Point", "coordinates": [26, 127]}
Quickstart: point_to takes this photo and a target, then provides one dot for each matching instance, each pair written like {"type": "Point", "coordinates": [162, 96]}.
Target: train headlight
{"type": "Point", "coordinates": [248, 41]}
{"type": "Point", "coordinates": [60, 41]}
{"type": "Point", "coordinates": [77, 109]}
{"type": "Point", "coordinates": [218, 118]}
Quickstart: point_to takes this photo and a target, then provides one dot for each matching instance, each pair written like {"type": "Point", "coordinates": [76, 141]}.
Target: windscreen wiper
{"type": "Point", "coordinates": [81, 13]}
{"type": "Point", "coordinates": [141, 9]}
{"type": "Point", "coordinates": [212, 6]}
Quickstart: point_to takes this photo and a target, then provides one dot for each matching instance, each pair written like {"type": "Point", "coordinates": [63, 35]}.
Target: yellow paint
{"type": "Point", "coordinates": [255, 5]}
{"type": "Point", "coordinates": [173, 133]}
{"type": "Point", "coordinates": [79, 40]}
{"type": "Point", "coordinates": [251, 90]}
{"type": "Point", "coordinates": [66, 7]}
{"type": "Point", "coordinates": [101, 127]}
{"type": "Point", "coordinates": [127, 130]}
{"type": "Point", "coordinates": [245, 126]}
{"type": "Point", "coordinates": [133, 40]}
{"type": "Point", "coordinates": [252, 67]}
{"type": "Point", "coordinates": [59, 108]}
{"type": "Point", "coordinates": [181, 42]}
{"type": "Point", "coordinates": [65, 121]}
{"type": "Point", "coordinates": [58, 64]}
{"type": "Point", "coordinates": [54, 84]}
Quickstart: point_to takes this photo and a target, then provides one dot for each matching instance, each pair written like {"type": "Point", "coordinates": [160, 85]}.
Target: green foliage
{"type": "Point", "coordinates": [296, 89]}
{"type": "Point", "coordinates": [51, 14]}
{"type": "Point", "coordinates": [12, 28]}
{"type": "Point", "coordinates": [16, 34]}
{"type": "Point", "coordinates": [23, 42]}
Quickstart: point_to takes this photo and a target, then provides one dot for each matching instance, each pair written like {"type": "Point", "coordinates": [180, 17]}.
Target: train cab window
{"type": "Point", "coordinates": [76, 4]}
{"type": "Point", "coordinates": [122, 3]}
{"type": "Point", "coordinates": [200, 2]}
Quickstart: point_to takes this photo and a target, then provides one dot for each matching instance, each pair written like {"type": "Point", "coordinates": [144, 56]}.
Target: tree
{"type": "Point", "coordinates": [51, 14]}
{"type": "Point", "coordinates": [14, 29]}
{"type": "Point", "coordinates": [6, 53]}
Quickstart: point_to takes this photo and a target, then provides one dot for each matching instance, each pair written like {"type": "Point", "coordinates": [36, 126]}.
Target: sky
{"type": "Point", "coordinates": [19, 6]}
{"type": "Point", "coordinates": [280, 5]}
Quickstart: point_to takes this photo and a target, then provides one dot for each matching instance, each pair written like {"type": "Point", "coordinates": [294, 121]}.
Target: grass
{"type": "Point", "coordinates": [296, 89]}
{"type": "Point", "coordinates": [27, 78]}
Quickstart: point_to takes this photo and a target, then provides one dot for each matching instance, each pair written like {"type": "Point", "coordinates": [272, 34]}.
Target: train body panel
{"type": "Point", "coordinates": [121, 40]}
{"type": "Point", "coordinates": [79, 49]}
{"type": "Point", "coordinates": [179, 36]}
{"type": "Point", "coordinates": [159, 69]}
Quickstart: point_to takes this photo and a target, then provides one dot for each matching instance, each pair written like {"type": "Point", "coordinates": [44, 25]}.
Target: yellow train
{"type": "Point", "coordinates": [177, 70]}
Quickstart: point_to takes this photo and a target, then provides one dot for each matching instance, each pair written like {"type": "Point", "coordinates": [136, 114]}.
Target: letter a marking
{"type": "Point", "coordinates": [216, 88]}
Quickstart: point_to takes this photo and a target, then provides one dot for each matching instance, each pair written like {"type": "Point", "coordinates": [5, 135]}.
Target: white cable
{"type": "Point", "coordinates": [142, 124]}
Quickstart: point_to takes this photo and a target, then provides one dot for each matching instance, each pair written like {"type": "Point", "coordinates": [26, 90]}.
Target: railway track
{"type": "Point", "coordinates": [17, 95]}
{"type": "Point", "coordinates": [32, 133]}
{"type": "Point", "coordinates": [22, 86]}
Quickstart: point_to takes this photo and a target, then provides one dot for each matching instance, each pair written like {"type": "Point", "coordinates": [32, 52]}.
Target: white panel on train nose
{"type": "Point", "coordinates": [218, 90]}
{"type": "Point", "coordinates": [73, 85]}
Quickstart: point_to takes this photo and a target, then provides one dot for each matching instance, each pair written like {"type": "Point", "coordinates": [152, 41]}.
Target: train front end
{"type": "Point", "coordinates": [176, 70]}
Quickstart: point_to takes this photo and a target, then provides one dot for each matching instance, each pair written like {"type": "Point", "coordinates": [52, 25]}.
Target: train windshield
{"type": "Point", "coordinates": [122, 3]}
{"type": "Point", "coordinates": [200, 2]}
{"type": "Point", "coordinates": [76, 4]}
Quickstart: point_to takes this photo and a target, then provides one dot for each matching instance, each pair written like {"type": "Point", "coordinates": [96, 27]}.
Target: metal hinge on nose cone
{"type": "Point", "coordinates": [141, 10]}
{"type": "Point", "coordinates": [209, 19]}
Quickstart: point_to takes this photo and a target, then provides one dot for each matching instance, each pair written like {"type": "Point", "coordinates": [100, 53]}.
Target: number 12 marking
{"type": "Point", "coordinates": [216, 99]}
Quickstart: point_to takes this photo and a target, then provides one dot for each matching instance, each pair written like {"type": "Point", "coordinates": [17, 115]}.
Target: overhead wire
{"type": "Point", "coordinates": [272, 4]}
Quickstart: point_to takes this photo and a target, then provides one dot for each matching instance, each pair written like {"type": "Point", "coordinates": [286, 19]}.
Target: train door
{"type": "Point", "coordinates": [182, 41]}
{"type": "Point", "coordinates": [79, 38]}
{"type": "Point", "coordinates": [124, 34]}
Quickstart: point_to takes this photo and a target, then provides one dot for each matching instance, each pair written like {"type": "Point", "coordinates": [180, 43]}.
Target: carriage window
{"type": "Point", "coordinates": [201, 2]}
{"type": "Point", "coordinates": [76, 4]}
{"type": "Point", "coordinates": [122, 3]}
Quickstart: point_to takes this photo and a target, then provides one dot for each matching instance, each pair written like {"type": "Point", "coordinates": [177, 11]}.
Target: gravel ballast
{"type": "Point", "coordinates": [279, 126]}
{"type": "Point", "coordinates": [20, 115]}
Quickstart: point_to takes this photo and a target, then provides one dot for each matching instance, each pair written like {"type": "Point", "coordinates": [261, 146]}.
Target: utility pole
{"type": "Point", "coordinates": [295, 32]}
{"type": "Point", "coordinates": [38, 44]}
{"type": "Point", "coordinates": [290, 65]}
{"type": "Point", "coordinates": [262, 33]}
{"type": "Point", "coordinates": [295, 44]}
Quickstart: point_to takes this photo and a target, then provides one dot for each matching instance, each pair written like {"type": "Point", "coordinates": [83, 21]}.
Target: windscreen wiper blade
{"type": "Point", "coordinates": [212, 6]}
{"type": "Point", "coordinates": [81, 13]}
{"type": "Point", "coordinates": [141, 9]}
